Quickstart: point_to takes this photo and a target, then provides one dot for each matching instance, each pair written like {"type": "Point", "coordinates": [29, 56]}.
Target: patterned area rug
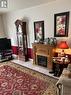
{"type": "Point", "coordinates": [18, 80]}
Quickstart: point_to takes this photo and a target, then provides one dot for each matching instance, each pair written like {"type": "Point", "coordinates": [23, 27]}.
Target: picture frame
{"type": "Point", "coordinates": [61, 24]}
{"type": "Point", "coordinates": [39, 31]}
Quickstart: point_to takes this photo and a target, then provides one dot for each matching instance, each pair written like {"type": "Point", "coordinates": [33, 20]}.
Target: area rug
{"type": "Point", "coordinates": [18, 80]}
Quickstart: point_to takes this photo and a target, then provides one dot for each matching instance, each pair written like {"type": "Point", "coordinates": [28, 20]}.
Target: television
{"type": "Point", "coordinates": [5, 44]}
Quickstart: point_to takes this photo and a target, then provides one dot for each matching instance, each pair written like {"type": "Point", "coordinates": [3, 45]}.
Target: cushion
{"type": "Point", "coordinates": [69, 67]}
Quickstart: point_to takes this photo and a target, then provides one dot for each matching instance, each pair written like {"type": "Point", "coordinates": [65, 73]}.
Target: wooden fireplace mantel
{"type": "Point", "coordinates": [43, 50]}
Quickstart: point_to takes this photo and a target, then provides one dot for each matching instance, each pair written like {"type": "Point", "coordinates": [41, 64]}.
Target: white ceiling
{"type": "Point", "coordinates": [22, 4]}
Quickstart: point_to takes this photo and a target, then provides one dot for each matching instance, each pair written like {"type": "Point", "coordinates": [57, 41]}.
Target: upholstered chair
{"type": "Point", "coordinates": [64, 82]}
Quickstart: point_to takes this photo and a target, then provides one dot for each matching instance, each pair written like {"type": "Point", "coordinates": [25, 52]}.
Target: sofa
{"type": "Point", "coordinates": [64, 82]}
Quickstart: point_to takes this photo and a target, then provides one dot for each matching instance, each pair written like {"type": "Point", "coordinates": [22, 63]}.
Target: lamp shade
{"type": "Point", "coordinates": [63, 45]}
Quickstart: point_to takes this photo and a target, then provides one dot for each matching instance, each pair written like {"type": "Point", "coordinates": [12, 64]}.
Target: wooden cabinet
{"type": "Point", "coordinates": [43, 50]}
{"type": "Point", "coordinates": [22, 40]}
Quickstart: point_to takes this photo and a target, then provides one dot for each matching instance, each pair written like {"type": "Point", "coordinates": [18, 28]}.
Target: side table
{"type": "Point", "coordinates": [59, 65]}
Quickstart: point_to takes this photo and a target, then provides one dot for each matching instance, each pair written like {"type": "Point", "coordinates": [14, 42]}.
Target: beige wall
{"type": "Point", "coordinates": [43, 12]}
{"type": "Point", "coordinates": [2, 33]}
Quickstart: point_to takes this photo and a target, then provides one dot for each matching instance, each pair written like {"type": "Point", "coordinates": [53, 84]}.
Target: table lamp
{"type": "Point", "coordinates": [63, 45]}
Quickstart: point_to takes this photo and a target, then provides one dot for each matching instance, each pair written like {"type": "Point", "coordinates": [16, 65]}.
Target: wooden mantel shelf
{"type": "Point", "coordinates": [43, 50]}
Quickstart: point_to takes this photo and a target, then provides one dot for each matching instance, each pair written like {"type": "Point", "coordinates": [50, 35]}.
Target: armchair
{"type": "Point", "coordinates": [64, 82]}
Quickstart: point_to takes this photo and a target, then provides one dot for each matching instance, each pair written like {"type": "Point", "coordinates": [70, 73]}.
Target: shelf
{"type": "Point", "coordinates": [4, 60]}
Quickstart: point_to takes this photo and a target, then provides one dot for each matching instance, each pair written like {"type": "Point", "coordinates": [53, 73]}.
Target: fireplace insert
{"type": "Point", "coordinates": [42, 60]}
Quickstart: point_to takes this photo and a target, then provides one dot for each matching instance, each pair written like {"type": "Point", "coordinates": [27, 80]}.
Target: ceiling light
{"type": "Point", "coordinates": [3, 3]}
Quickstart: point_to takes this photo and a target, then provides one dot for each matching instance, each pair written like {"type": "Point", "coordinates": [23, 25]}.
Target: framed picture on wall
{"type": "Point", "coordinates": [39, 30]}
{"type": "Point", "coordinates": [61, 24]}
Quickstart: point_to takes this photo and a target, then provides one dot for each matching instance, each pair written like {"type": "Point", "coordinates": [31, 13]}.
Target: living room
{"type": "Point", "coordinates": [33, 13]}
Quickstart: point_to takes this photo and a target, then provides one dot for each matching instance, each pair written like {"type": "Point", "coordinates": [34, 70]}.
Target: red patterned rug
{"type": "Point", "coordinates": [14, 81]}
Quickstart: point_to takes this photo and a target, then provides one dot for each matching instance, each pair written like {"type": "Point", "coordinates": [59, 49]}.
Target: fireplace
{"type": "Point", "coordinates": [42, 60]}
{"type": "Point", "coordinates": [42, 55]}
